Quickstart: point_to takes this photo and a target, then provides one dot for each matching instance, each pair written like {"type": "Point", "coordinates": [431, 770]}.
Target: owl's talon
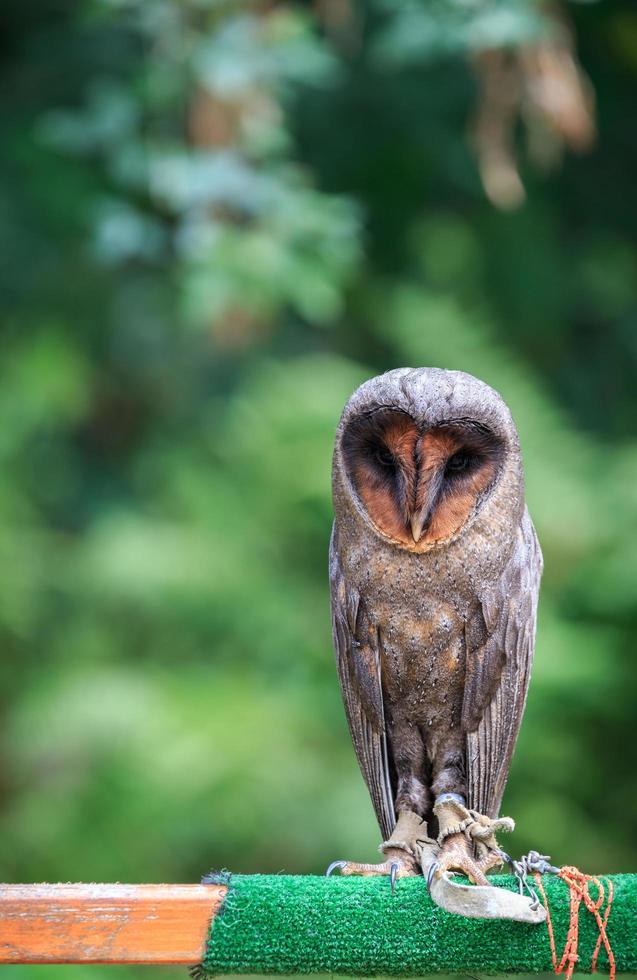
{"type": "Point", "coordinates": [393, 874]}
{"type": "Point", "coordinates": [508, 860]}
{"type": "Point", "coordinates": [333, 866]}
{"type": "Point", "coordinates": [430, 874]}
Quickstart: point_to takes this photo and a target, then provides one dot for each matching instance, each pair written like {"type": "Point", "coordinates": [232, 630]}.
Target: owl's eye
{"type": "Point", "coordinates": [459, 463]}
{"type": "Point", "coordinates": [384, 459]}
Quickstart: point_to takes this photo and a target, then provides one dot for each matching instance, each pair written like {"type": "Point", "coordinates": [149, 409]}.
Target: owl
{"type": "Point", "coordinates": [435, 571]}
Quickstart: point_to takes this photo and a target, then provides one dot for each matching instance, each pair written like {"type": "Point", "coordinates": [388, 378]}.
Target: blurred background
{"type": "Point", "coordinates": [217, 220]}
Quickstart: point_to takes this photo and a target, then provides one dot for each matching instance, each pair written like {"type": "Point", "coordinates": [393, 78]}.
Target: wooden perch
{"type": "Point", "coordinates": [289, 924]}
{"type": "Point", "coordinates": [106, 923]}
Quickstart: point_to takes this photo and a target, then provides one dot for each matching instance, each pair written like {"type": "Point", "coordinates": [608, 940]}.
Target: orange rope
{"type": "Point", "coordinates": [578, 884]}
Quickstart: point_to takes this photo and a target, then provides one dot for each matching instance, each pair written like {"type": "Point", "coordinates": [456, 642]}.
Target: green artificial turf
{"type": "Point", "coordinates": [286, 924]}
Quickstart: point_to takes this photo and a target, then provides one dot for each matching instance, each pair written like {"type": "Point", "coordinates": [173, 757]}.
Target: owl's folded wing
{"type": "Point", "coordinates": [500, 644]}
{"type": "Point", "coordinates": [358, 662]}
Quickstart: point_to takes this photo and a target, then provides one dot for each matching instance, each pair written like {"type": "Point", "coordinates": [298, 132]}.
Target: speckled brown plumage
{"type": "Point", "coordinates": [434, 628]}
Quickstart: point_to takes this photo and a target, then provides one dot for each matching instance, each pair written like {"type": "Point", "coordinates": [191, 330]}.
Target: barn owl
{"type": "Point", "coordinates": [435, 570]}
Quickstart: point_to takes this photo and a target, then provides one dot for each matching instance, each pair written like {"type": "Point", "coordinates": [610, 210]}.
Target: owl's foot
{"type": "Point", "coordinates": [467, 844]}
{"type": "Point", "coordinates": [402, 852]}
{"type": "Point", "coordinates": [397, 865]}
{"type": "Point", "coordinates": [467, 840]}
{"type": "Point", "coordinates": [458, 854]}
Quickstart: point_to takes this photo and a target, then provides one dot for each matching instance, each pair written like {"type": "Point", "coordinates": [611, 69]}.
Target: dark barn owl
{"type": "Point", "coordinates": [435, 571]}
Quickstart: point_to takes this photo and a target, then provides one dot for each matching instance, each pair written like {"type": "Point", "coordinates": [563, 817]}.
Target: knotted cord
{"type": "Point", "coordinates": [578, 885]}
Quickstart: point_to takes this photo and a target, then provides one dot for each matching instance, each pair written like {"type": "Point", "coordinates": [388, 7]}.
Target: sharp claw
{"type": "Point", "coordinates": [333, 866]}
{"type": "Point", "coordinates": [430, 874]}
{"type": "Point", "coordinates": [393, 873]}
{"type": "Point", "coordinates": [508, 860]}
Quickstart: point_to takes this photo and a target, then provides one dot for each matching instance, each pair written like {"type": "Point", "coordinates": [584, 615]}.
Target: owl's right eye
{"type": "Point", "coordinates": [384, 459]}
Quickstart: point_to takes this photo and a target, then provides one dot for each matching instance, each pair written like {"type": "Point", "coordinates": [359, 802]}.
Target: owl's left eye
{"type": "Point", "coordinates": [459, 463]}
{"type": "Point", "coordinates": [384, 458]}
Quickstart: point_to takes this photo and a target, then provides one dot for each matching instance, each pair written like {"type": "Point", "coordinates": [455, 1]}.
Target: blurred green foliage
{"type": "Point", "coordinates": [217, 219]}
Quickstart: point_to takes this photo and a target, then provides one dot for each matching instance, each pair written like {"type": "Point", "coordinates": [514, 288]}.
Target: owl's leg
{"type": "Point", "coordinates": [466, 844]}
{"type": "Point", "coordinates": [413, 797]}
{"type": "Point", "coordinates": [447, 749]}
{"type": "Point", "coordinates": [467, 840]}
{"type": "Point", "coordinates": [410, 764]}
{"type": "Point", "coordinates": [401, 851]}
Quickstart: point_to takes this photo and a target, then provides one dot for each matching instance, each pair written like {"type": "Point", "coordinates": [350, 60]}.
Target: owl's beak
{"type": "Point", "coordinates": [417, 522]}
{"type": "Point", "coordinates": [427, 492]}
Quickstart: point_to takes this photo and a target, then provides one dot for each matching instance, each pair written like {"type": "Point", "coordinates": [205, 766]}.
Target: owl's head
{"type": "Point", "coordinates": [422, 450]}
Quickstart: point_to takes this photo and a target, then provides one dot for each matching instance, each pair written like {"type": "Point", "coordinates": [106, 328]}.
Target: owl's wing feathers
{"type": "Point", "coordinates": [500, 643]}
{"type": "Point", "coordinates": [358, 662]}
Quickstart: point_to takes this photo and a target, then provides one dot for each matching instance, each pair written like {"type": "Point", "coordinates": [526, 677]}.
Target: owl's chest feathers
{"type": "Point", "coordinates": [419, 606]}
{"type": "Point", "coordinates": [423, 664]}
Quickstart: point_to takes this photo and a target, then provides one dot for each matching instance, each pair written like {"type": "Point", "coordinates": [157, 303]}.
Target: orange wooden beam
{"type": "Point", "coordinates": [106, 923]}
